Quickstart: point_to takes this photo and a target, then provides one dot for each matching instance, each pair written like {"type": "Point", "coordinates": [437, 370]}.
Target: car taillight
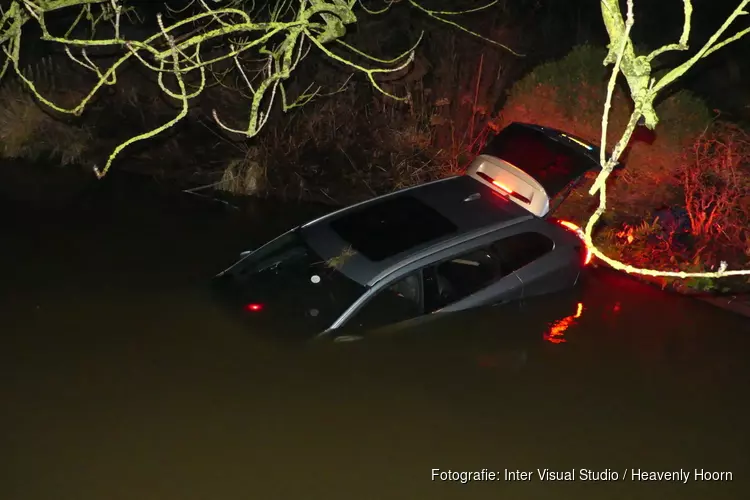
{"type": "Point", "coordinates": [579, 232]}
{"type": "Point", "coordinates": [502, 186]}
{"type": "Point", "coordinates": [254, 307]}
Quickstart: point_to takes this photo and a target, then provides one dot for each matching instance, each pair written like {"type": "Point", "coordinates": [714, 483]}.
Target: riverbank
{"type": "Point", "coordinates": [738, 303]}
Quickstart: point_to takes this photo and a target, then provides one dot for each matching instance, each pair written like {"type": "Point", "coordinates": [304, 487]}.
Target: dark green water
{"type": "Point", "coordinates": [119, 379]}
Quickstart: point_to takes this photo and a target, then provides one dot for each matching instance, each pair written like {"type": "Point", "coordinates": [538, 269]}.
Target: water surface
{"type": "Point", "coordinates": [120, 379]}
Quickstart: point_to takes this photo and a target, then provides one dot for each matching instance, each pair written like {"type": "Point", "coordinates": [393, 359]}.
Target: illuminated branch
{"type": "Point", "coordinates": [712, 45]}
{"type": "Point", "coordinates": [440, 16]}
{"type": "Point", "coordinates": [369, 72]}
{"type": "Point", "coordinates": [683, 43]}
{"type": "Point", "coordinates": [375, 12]}
{"type": "Point", "coordinates": [644, 90]}
{"type": "Point", "coordinates": [182, 96]}
{"type": "Point", "coordinates": [284, 38]}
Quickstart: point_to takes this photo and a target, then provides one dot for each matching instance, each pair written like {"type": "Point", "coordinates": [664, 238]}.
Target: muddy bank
{"type": "Point", "coordinates": [739, 304]}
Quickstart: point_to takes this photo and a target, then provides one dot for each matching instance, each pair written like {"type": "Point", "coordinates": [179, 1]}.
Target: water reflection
{"type": "Point", "coordinates": [556, 331]}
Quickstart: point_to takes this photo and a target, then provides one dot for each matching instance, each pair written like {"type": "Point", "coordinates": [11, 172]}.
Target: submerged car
{"type": "Point", "coordinates": [482, 238]}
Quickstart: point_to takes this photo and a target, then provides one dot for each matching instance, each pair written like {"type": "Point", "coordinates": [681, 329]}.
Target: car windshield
{"type": "Point", "coordinates": [288, 250]}
{"type": "Point", "coordinates": [289, 277]}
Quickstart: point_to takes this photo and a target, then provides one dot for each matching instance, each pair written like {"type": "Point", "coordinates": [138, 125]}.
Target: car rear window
{"type": "Point", "coordinates": [392, 226]}
{"type": "Point", "coordinates": [553, 164]}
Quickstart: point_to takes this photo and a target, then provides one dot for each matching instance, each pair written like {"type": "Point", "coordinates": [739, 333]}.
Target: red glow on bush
{"type": "Point", "coordinates": [254, 307]}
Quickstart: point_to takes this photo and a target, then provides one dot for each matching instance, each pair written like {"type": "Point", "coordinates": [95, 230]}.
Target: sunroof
{"type": "Point", "coordinates": [392, 226]}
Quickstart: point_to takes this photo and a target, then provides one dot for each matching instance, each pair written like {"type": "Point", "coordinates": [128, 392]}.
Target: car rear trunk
{"type": "Point", "coordinates": [532, 165]}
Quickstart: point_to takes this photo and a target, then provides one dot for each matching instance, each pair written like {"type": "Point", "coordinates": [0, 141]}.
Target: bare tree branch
{"type": "Point", "coordinates": [290, 25]}
{"type": "Point", "coordinates": [644, 90]}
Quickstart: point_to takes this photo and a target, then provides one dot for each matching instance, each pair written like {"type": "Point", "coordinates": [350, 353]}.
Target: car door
{"type": "Point", "coordinates": [533, 257]}
{"type": "Point", "coordinates": [469, 279]}
{"type": "Point", "coordinates": [476, 274]}
{"type": "Point", "coordinates": [394, 303]}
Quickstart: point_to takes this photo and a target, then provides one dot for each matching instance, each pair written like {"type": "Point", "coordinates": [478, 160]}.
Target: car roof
{"type": "Point", "coordinates": [422, 219]}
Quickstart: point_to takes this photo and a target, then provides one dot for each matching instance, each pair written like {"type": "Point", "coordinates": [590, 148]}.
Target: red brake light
{"type": "Point", "coordinates": [579, 232]}
{"type": "Point", "coordinates": [502, 186]}
{"type": "Point", "coordinates": [254, 307]}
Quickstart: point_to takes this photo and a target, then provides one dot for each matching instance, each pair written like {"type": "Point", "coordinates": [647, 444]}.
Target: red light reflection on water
{"type": "Point", "coordinates": [556, 332]}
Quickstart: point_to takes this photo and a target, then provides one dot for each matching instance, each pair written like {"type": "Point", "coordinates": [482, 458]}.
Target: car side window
{"type": "Point", "coordinates": [457, 278]}
{"type": "Point", "coordinates": [398, 302]}
{"type": "Point", "coordinates": [521, 249]}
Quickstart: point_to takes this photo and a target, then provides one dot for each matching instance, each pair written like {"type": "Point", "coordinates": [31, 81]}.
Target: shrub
{"type": "Point", "coordinates": [714, 176]}
{"type": "Point", "coordinates": [29, 132]}
{"type": "Point", "coordinates": [243, 176]}
{"type": "Point", "coordinates": [688, 161]}
{"type": "Point", "coordinates": [359, 142]}
{"type": "Point", "coordinates": [568, 94]}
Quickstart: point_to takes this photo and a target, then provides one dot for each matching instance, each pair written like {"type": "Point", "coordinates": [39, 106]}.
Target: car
{"type": "Point", "coordinates": [488, 236]}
